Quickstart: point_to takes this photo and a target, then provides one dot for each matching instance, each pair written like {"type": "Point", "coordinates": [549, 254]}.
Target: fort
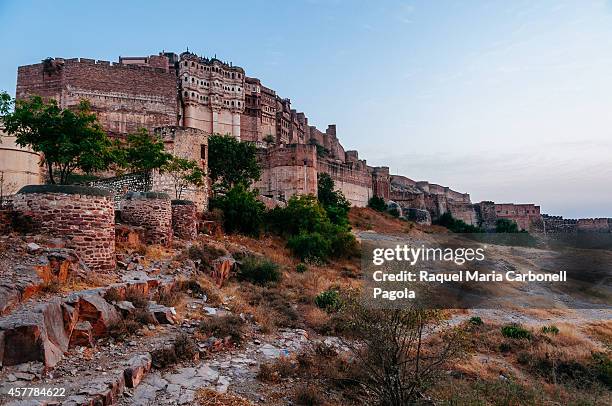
{"type": "Point", "coordinates": [184, 98]}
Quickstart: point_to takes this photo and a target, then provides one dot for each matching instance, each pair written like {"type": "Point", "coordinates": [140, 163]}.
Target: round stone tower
{"type": "Point", "coordinates": [184, 219]}
{"type": "Point", "coordinates": [84, 216]}
{"type": "Point", "coordinates": [152, 211]}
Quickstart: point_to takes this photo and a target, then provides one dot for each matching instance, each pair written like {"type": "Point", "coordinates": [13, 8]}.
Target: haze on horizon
{"type": "Point", "coordinates": [508, 101]}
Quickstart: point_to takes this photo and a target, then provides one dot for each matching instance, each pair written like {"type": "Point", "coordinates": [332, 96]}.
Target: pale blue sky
{"type": "Point", "coordinates": [510, 101]}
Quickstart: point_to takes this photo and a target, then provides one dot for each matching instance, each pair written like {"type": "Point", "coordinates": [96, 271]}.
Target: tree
{"type": "Point", "coordinates": [506, 226]}
{"type": "Point", "coordinates": [184, 173]}
{"type": "Point", "coordinates": [242, 212]}
{"type": "Point", "coordinates": [456, 225]}
{"type": "Point", "coordinates": [6, 103]}
{"type": "Point", "coordinates": [377, 203]}
{"type": "Point", "coordinates": [68, 140]}
{"type": "Point", "coordinates": [231, 162]}
{"type": "Point", "coordinates": [142, 152]}
{"type": "Point", "coordinates": [399, 352]}
{"type": "Point", "coordinates": [333, 201]}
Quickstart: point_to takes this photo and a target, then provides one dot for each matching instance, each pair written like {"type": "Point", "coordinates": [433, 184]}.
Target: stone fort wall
{"type": "Point", "coordinates": [125, 97]}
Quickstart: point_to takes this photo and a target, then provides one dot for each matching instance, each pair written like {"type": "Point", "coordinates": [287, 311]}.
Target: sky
{"type": "Point", "coordinates": [509, 101]}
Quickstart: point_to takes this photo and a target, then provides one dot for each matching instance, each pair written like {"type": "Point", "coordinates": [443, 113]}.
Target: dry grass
{"type": "Point", "coordinates": [209, 397]}
{"type": "Point", "coordinates": [275, 371]}
{"type": "Point", "coordinates": [600, 330]}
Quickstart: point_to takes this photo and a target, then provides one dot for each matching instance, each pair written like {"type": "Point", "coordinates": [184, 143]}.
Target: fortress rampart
{"type": "Point", "coordinates": [191, 97]}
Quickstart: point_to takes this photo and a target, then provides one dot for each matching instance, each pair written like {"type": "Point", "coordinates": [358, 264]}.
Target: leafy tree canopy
{"type": "Point", "coordinates": [333, 201]}
{"type": "Point", "coordinates": [377, 203]}
{"type": "Point", "coordinates": [68, 139]}
{"type": "Point", "coordinates": [184, 173]}
{"type": "Point", "coordinates": [231, 162]}
{"type": "Point", "coordinates": [506, 226]}
{"type": "Point", "coordinates": [142, 152]}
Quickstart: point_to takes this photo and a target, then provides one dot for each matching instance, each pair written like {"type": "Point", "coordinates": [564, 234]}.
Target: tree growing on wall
{"type": "Point", "coordinates": [231, 162]}
{"type": "Point", "coordinates": [184, 173]}
{"type": "Point", "coordinates": [141, 152]}
{"type": "Point", "coordinates": [69, 140]}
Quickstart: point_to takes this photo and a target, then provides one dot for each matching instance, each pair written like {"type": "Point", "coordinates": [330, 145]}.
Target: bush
{"type": "Point", "coordinates": [550, 330]}
{"type": "Point", "coordinates": [377, 203]}
{"type": "Point", "coordinates": [311, 247]}
{"type": "Point", "coordinates": [515, 331]}
{"type": "Point", "coordinates": [137, 297]}
{"type": "Point", "coordinates": [259, 271]}
{"type": "Point", "coordinates": [476, 321]}
{"type": "Point", "coordinates": [506, 226]}
{"type": "Point", "coordinates": [242, 212]}
{"type": "Point", "coordinates": [308, 396]}
{"type": "Point", "coordinates": [301, 267]}
{"type": "Point", "coordinates": [311, 235]}
{"type": "Point", "coordinates": [455, 225]}
{"type": "Point", "coordinates": [231, 326]}
{"type": "Point", "coordinates": [184, 347]}
{"type": "Point", "coordinates": [329, 300]}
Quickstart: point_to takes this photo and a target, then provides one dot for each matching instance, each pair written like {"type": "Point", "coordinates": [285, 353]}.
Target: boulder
{"type": "Point", "coordinates": [9, 298]}
{"type": "Point", "coordinates": [82, 335]}
{"type": "Point", "coordinates": [163, 314]}
{"type": "Point", "coordinates": [222, 267]}
{"type": "Point", "coordinates": [126, 308]}
{"type": "Point", "coordinates": [94, 309]}
{"type": "Point", "coordinates": [137, 367]}
{"type": "Point", "coordinates": [33, 334]}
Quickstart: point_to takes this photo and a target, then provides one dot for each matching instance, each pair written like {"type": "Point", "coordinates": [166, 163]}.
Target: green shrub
{"type": "Point", "coordinates": [377, 203]}
{"type": "Point", "coordinates": [603, 368]}
{"type": "Point", "coordinates": [506, 226]}
{"type": "Point", "coordinates": [475, 320]}
{"type": "Point", "coordinates": [310, 247]}
{"type": "Point", "coordinates": [515, 331]}
{"type": "Point", "coordinates": [394, 212]}
{"type": "Point", "coordinates": [550, 330]}
{"type": "Point", "coordinates": [303, 214]}
{"type": "Point", "coordinates": [259, 271]}
{"type": "Point", "coordinates": [329, 300]}
{"type": "Point", "coordinates": [311, 235]}
{"type": "Point", "coordinates": [455, 225]}
{"type": "Point", "coordinates": [301, 267]}
{"type": "Point", "coordinates": [242, 212]}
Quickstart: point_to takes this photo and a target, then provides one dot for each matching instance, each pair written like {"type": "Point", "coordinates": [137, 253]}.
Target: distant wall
{"type": "Point", "coordinates": [287, 171]}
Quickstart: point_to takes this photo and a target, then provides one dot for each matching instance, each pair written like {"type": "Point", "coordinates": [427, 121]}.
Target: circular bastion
{"type": "Point", "coordinates": [184, 219]}
{"type": "Point", "coordinates": [84, 216]}
{"type": "Point", "coordinates": [152, 211]}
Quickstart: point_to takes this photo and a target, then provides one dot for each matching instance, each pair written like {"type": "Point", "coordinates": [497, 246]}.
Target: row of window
{"type": "Point", "coordinates": [231, 75]}
{"type": "Point", "coordinates": [214, 98]}
{"type": "Point", "coordinates": [215, 84]}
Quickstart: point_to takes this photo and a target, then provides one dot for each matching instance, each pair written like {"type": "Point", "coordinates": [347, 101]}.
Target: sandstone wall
{"type": "Point", "coordinates": [152, 211]}
{"type": "Point", "coordinates": [526, 216]}
{"type": "Point", "coordinates": [355, 182]}
{"type": "Point", "coordinates": [82, 215]}
{"type": "Point", "coordinates": [18, 166]}
{"type": "Point", "coordinates": [125, 97]}
{"type": "Point", "coordinates": [186, 143]}
{"type": "Point", "coordinates": [288, 170]}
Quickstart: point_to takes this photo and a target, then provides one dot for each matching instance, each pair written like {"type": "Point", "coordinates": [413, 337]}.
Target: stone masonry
{"type": "Point", "coordinates": [152, 211]}
{"type": "Point", "coordinates": [186, 93]}
{"type": "Point", "coordinates": [184, 219]}
{"type": "Point", "coordinates": [84, 216]}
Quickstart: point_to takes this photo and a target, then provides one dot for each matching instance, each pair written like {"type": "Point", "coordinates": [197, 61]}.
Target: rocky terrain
{"type": "Point", "coordinates": [174, 326]}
